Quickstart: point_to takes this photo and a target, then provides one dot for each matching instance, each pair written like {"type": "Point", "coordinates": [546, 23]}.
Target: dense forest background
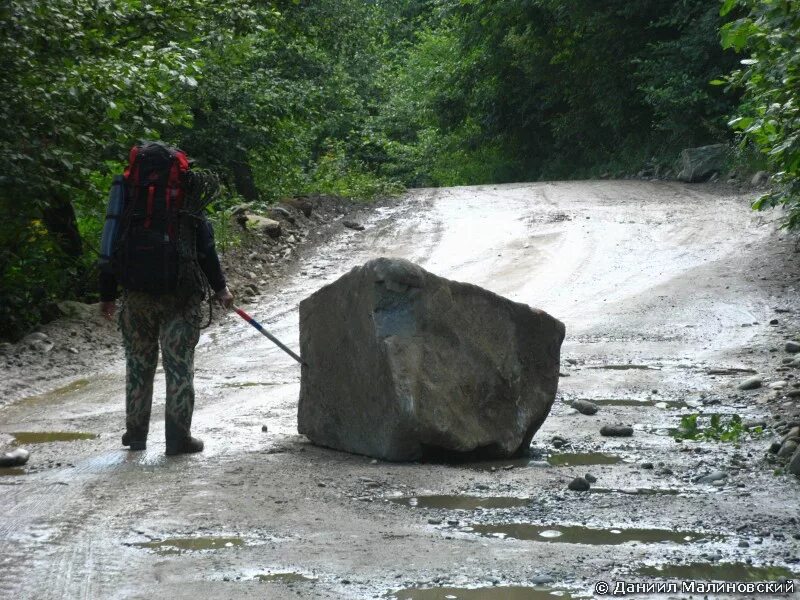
{"type": "Point", "coordinates": [360, 98]}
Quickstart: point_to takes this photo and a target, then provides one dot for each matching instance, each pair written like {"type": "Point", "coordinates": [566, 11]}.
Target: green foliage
{"type": "Point", "coordinates": [253, 90]}
{"type": "Point", "coordinates": [496, 90]}
{"type": "Point", "coordinates": [337, 175]}
{"type": "Point", "coordinates": [227, 232]}
{"type": "Point", "coordinates": [358, 98]}
{"type": "Point", "coordinates": [769, 115]}
{"type": "Point", "coordinates": [730, 430]}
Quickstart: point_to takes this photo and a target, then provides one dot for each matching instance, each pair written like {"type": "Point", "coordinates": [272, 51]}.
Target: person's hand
{"type": "Point", "coordinates": [225, 297]}
{"type": "Point", "coordinates": [107, 309]}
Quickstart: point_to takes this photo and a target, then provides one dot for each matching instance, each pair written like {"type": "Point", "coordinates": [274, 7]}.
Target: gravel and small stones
{"type": "Point", "coordinates": [584, 407]}
{"type": "Point", "coordinates": [579, 484]}
{"type": "Point", "coordinates": [558, 441]}
{"type": "Point", "coordinates": [616, 431]}
{"type": "Point", "coordinates": [751, 383]}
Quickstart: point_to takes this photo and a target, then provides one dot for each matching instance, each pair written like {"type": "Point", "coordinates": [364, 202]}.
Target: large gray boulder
{"type": "Point", "coordinates": [404, 364]}
{"type": "Point", "coordinates": [698, 164]}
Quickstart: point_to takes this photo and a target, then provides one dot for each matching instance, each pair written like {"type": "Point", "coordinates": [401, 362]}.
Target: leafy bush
{"type": "Point", "coordinates": [769, 115]}
{"type": "Point", "coordinates": [730, 430]}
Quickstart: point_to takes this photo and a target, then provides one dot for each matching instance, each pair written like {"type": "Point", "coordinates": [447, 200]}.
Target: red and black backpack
{"type": "Point", "coordinates": [147, 255]}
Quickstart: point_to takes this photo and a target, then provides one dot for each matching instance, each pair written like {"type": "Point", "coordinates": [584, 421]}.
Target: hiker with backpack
{"type": "Point", "coordinates": [159, 248]}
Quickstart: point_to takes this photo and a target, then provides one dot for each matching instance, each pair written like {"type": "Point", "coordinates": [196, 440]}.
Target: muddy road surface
{"type": "Point", "coordinates": [667, 292]}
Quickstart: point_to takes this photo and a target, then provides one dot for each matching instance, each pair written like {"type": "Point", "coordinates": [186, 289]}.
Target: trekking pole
{"type": "Point", "coordinates": [267, 334]}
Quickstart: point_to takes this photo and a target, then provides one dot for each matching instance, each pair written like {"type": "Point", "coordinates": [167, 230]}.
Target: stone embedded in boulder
{"type": "Point", "coordinates": [404, 364]}
{"type": "Point", "coordinates": [699, 164]}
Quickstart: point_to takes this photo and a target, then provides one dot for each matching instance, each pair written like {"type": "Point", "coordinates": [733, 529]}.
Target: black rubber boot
{"type": "Point", "coordinates": [187, 445]}
{"type": "Point", "coordinates": [134, 444]}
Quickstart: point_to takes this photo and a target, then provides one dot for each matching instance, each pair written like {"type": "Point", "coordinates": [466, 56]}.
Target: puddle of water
{"type": "Point", "coordinates": [11, 471]}
{"type": "Point", "coordinates": [627, 367]}
{"type": "Point", "coordinates": [507, 464]}
{"type": "Point", "coordinates": [640, 403]}
{"type": "Point", "coordinates": [461, 502]}
{"type": "Point", "coordinates": [489, 593]}
{"type": "Point", "coordinates": [56, 394]}
{"type": "Point", "coordinates": [716, 572]}
{"type": "Point", "coordinates": [283, 578]}
{"type": "Point", "coordinates": [637, 491]}
{"type": "Point", "coordinates": [44, 437]}
{"type": "Point", "coordinates": [196, 544]}
{"type": "Point", "coordinates": [246, 384]}
{"type": "Point", "coordinates": [583, 459]}
{"type": "Point", "coordinates": [577, 534]}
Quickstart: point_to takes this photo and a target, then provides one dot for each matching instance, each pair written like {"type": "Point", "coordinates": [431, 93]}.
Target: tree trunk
{"type": "Point", "coordinates": [59, 218]}
{"type": "Point", "coordinates": [243, 178]}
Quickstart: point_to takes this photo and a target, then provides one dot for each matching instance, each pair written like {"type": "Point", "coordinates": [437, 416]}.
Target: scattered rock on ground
{"type": "Point", "coordinates": [269, 226]}
{"type": "Point", "coordinates": [699, 164]}
{"type": "Point", "coordinates": [14, 458]}
{"type": "Point", "coordinates": [788, 449]}
{"type": "Point", "coordinates": [760, 178]}
{"type": "Point", "coordinates": [712, 477]}
{"type": "Point", "coordinates": [301, 204]}
{"type": "Point", "coordinates": [792, 347]}
{"type": "Point", "coordinates": [584, 407]}
{"type": "Point", "coordinates": [616, 431]}
{"type": "Point", "coordinates": [794, 465]}
{"type": "Point", "coordinates": [353, 225]}
{"type": "Point", "coordinates": [281, 212]}
{"type": "Point", "coordinates": [397, 327]}
{"type": "Point", "coordinates": [579, 484]}
{"type": "Point", "coordinates": [751, 383]}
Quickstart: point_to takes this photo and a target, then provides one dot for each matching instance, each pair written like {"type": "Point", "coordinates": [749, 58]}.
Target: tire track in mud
{"type": "Point", "coordinates": [69, 541]}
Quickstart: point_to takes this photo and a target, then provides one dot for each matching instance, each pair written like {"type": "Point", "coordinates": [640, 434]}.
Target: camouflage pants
{"type": "Point", "coordinates": [145, 321]}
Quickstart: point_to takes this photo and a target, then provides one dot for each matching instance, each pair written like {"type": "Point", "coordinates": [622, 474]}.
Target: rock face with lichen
{"type": "Point", "coordinates": [403, 364]}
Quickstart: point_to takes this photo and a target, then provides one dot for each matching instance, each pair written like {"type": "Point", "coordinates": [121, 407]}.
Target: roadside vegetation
{"type": "Point", "coordinates": [361, 99]}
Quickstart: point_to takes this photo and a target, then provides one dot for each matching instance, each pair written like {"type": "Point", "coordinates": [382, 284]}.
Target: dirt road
{"type": "Point", "coordinates": [657, 283]}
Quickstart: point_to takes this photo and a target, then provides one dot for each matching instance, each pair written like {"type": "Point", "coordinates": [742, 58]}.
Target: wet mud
{"type": "Point", "coordinates": [487, 593]}
{"type": "Point", "coordinates": [582, 459]}
{"type": "Point", "coordinates": [717, 572]}
{"type": "Point", "coordinates": [461, 502]}
{"type": "Point", "coordinates": [654, 285]}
